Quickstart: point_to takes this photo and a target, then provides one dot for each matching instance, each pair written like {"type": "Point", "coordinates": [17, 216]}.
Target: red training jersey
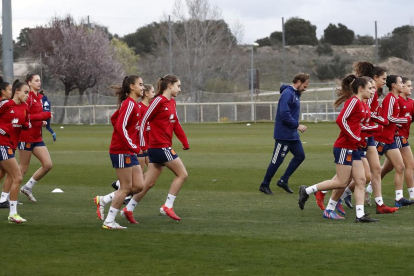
{"type": "Point", "coordinates": [373, 104]}
{"type": "Point", "coordinates": [13, 117]}
{"type": "Point", "coordinates": [390, 110]}
{"type": "Point", "coordinates": [143, 110]}
{"type": "Point", "coordinates": [163, 119]}
{"type": "Point", "coordinates": [406, 109]}
{"type": "Point", "coordinates": [349, 121]}
{"type": "Point", "coordinates": [36, 116]}
{"type": "Point", "coordinates": [126, 123]}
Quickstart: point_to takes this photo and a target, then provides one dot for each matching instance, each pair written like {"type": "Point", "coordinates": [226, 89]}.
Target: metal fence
{"type": "Point", "coordinates": [201, 106]}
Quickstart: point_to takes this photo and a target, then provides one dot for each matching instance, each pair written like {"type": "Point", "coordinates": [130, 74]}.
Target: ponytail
{"type": "Point", "coordinates": [3, 84]}
{"type": "Point", "coordinates": [349, 87]}
{"type": "Point", "coordinates": [163, 83]}
{"type": "Point", "coordinates": [123, 91]}
{"type": "Point", "coordinates": [17, 85]}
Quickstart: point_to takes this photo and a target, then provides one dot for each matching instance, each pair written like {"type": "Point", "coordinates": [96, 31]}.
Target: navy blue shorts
{"type": "Point", "coordinates": [29, 146]}
{"type": "Point", "coordinates": [345, 156]}
{"type": "Point", "coordinates": [401, 142]}
{"type": "Point", "coordinates": [6, 152]}
{"type": "Point", "coordinates": [382, 148]}
{"type": "Point", "coordinates": [371, 142]}
{"type": "Point", "coordinates": [120, 161]}
{"type": "Point", "coordinates": [362, 153]}
{"type": "Point", "coordinates": [161, 155]}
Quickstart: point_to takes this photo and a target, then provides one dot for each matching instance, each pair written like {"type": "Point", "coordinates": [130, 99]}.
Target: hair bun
{"type": "Point", "coordinates": [1, 79]}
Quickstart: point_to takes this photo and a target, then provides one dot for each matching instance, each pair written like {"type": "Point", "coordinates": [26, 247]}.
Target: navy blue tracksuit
{"type": "Point", "coordinates": [286, 135]}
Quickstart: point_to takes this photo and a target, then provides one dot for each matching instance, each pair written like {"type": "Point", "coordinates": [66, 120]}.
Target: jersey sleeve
{"type": "Point", "coordinates": [41, 116]}
{"type": "Point", "coordinates": [179, 132]}
{"type": "Point", "coordinates": [151, 112]}
{"type": "Point", "coordinates": [342, 120]}
{"type": "Point", "coordinates": [285, 114]}
{"type": "Point", "coordinates": [125, 112]}
{"type": "Point", "coordinates": [389, 110]}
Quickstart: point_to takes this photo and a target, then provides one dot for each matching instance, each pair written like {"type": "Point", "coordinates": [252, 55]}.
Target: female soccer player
{"type": "Point", "coordinates": [163, 119]}
{"type": "Point", "coordinates": [31, 142]}
{"type": "Point", "coordinates": [406, 105]}
{"type": "Point", "coordinates": [6, 92]}
{"type": "Point", "coordinates": [385, 141]}
{"type": "Point", "coordinates": [123, 148]}
{"type": "Point", "coordinates": [13, 117]}
{"type": "Point", "coordinates": [347, 159]}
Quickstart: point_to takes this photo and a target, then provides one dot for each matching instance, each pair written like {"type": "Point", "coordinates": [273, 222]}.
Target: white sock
{"type": "Point", "coordinates": [170, 201]}
{"type": "Point", "coordinates": [369, 188]}
{"type": "Point", "coordinates": [4, 197]}
{"type": "Point", "coordinates": [360, 211]}
{"type": "Point", "coordinates": [324, 192]}
{"type": "Point", "coordinates": [346, 193]}
{"type": "Point", "coordinates": [131, 205]}
{"type": "Point", "coordinates": [108, 198]}
{"type": "Point", "coordinates": [379, 201]}
{"type": "Point", "coordinates": [117, 184]}
{"type": "Point", "coordinates": [13, 208]}
{"type": "Point", "coordinates": [398, 194]}
{"type": "Point", "coordinates": [311, 189]}
{"type": "Point", "coordinates": [410, 192]}
{"type": "Point", "coordinates": [31, 183]}
{"type": "Point", "coordinates": [111, 214]}
{"type": "Point", "coordinates": [331, 204]}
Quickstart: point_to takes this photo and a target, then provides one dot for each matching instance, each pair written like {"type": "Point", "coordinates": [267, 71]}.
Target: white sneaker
{"type": "Point", "coordinates": [28, 192]}
{"type": "Point", "coordinates": [100, 207]}
{"type": "Point", "coordinates": [16, 219]}
{"type": "Point", "coordinates": [112, 225]}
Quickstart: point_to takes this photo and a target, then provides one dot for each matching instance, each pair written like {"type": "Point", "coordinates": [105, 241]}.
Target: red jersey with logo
{"type": "Point", "coordinates": [368, 129]}
{"type": "Point", "coordinates": [13, 117]}
{"type": "Point", "coordinates": [373, 104]}
{"type": "Point", "coordinates": [349, 121]}
{"type": "Point", "coordinates": [36, 116]}
{"type": "Point", "coordinates": [143, 110]}
{"type": "Point", "coordinates": [126, 122]}
{"type": "Point", "coordinates": [406, 109]}
{"type": "Point", "coordinates": [390, 110]}
{"type": "Point", "coordinates": [163, 119]}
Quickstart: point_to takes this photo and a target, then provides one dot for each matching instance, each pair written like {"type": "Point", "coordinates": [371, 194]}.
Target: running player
{"type": "Point", "coordinates": [163, 119]}
{"type": "Point", "coordinates": [385, 142]}
{"type": "Point", "coordinates": [347, 159]}
{"type": "Point", "coordinates": [14, 116]}
{"type": "Point", "coordinates": [31, 142]}
{"type": "Point", "coordinates": [407, 108]}
{"type": "Point", "coordinates": [123, 149]}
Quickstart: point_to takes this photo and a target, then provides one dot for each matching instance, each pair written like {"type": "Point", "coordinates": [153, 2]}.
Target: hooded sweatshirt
{"type": "Point", "coordinates": [287, 114]}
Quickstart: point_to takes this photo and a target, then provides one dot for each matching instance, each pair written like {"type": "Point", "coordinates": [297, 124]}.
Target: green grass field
{"type": "Point", "coordinates": [228, 227]}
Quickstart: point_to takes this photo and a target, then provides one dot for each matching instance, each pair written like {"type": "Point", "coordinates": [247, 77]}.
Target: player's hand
{"type": "Point", "coordinates": [51, 115]}
{"type": "Point", "coordinates": [184, 148]}
{"type": "Point", "coordinates": [302, 128]}
{"type": "Point", "coordinates": [44, 123]}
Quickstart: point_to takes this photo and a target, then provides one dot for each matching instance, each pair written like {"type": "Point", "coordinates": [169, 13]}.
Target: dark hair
{"type": "Point", "coordinates": [42, 92]}
{"type": "Point", "coordinates": [163, 83]}
{"type": "Point", "coordinates": [349, 86]}
{"type": "Point", "coordinates": [29, 77]}
{"type": "Point", "coordinates": [367, 69]}
{"type": "Point", "coordinates": [123, 91]}
{"type": "Point", "coordinates": [3, 84]}
{"type": "Point", "coordinates": [147, 88]}
{"type": "Point", "coordinates": [391, 79]}
{"type": "Point", "coordinates": [405, 79]}
{"type": "Point", "coordinates": [302, 77]}
{"type": "Point", "coordinates": [17, 85]}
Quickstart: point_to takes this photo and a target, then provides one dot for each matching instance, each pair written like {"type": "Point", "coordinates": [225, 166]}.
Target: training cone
{"type": "Point", "coordinates": [57, 190]}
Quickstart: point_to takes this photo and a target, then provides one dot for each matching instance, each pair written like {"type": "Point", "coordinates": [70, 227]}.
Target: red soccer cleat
{"type": "Point", "coordinates": [128, 215]}
{"type": "Point", "coordinates": [169, 212]}
{"type": "Point", "coordinates": [384, 209]}
{"type": "Point", "coordinates": [319, 199]}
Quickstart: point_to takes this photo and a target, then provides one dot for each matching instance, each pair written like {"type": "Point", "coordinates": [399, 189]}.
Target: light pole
{"type": "Point", "coordinates": [252, 83]}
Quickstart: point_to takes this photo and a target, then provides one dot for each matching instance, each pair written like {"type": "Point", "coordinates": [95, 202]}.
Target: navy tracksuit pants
{"type": "Point", "coordinates": [282, 148]}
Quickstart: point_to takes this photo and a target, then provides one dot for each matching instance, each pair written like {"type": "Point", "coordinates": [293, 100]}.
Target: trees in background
{"type": "Point", "coordinates": [300, 32]}
{"type": "Point", "coordinates": [397, 44]}
{"type": "Point", "coordinates": [338, 35]}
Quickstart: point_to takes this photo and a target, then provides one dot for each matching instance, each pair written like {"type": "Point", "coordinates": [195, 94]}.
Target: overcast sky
{"type": "Point", "coordinates": [259, 17]}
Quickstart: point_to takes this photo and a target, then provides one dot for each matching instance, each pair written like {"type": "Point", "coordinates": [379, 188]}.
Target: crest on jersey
{"type": "Point", "coordinates": [15, 121]}
{"type": "Point", "coordinates": [12, 111]}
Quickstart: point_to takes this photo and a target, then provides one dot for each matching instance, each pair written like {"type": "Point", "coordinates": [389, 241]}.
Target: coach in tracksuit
{"type": "Point", "coordinates": [286, 133]}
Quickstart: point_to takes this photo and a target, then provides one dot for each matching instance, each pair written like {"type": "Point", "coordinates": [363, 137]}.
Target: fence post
{"type": "Point", "coordinates": [326, 111]}
{"type": "Point", "coordinates": [271, 110]}
{"type": "Point", "coordinates": [201, 113]}
{"type": "Point", "coordinates": [93, 112]}
{"type": "Point", "coordinates": [307, 111]}
{"type": "Point", "coordinates": [185, 113]}
{"type": "Point", "coordinates": [218, 113]}
{"type": "Point", "coordinates": [235, 112]}
{"type": "Point", "coordinates": [79, 123]}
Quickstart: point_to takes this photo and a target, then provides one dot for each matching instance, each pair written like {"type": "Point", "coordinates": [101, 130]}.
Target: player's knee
{"type": "Point", "coordinates": [23, 169]}
{"type": "Point", "coordinates": [184, 176]}
{"type": "Point", "coordinates": [18, 179]}
{"type": "Point", "coordinates": [47, 166]}
{"type": "Point", "coordinates": [399, 168]}
{"type": "Point", "coordinates": [136, 189]}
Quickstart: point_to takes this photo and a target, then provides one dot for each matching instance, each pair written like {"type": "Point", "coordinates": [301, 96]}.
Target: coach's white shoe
{"type": "Point", "coordinates": [112, 225]}
{"type": "Point", "coordinates": [28, 192]}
